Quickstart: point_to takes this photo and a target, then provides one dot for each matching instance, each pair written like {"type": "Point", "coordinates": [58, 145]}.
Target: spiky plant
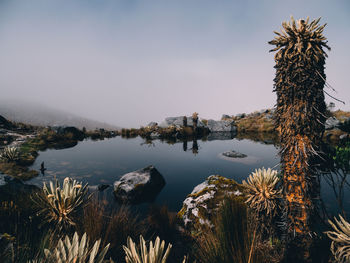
{"type": "Point", "coordinates": [262, 191]}
{"type": "Point", "coordinates": [153, 254]}
{"type": "Point", "coordinates": [9, 154]}
{"type": "Point", "coordinates": [300, 114]}
{"type": "Point", "coordinates": [59, 205]}
{"type": "Point", "coordinates": [340, 237]}
{"type": "Point", "coordinates": [76, 250]}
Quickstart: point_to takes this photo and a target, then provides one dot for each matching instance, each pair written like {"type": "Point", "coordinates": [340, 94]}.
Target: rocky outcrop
{"type": "Point", "coordinates": [331, 123]}
{"type": "Point", "coordinates": [200, 207]}
{"type": "Point", "coordinates": [178, 122]}
{"type": "Point", "coordinates": [221, 126]}
{"type": "Point", "coordinates": [152, 124]}
{"type": "Point", "coordinates": [139, 186]}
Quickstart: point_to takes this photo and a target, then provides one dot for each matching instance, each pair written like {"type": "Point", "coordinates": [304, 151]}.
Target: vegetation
{"type": "Point", "coordinates": [75, 250]}
{"type": "Point", "coordinates": [9, 154]}
{"type": "Point", "coordinates": [231, 239]}
{"type": "Point", "coordinates": [340, 237]}
{"type": "Point", "coordinates": [300, 118]}
{"type": "Point", "coordinates": [60, 204]}
{"type": "Point", "coordinates": [262, 191]}
{"type": "Point", "coordinates": [154, 254]}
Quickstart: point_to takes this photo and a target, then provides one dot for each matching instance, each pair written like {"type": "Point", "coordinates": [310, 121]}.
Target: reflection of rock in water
{"type": "Point", "coordinates": [221, 136]}
{"type": "Point", "coordinates": [139, 186]}
{"type": "Point", "coordinates": [195, 147]}
{"type": "Point", "coordinates": [184, 146]}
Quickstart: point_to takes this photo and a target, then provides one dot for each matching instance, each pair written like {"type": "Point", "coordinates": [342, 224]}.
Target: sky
{"type": "Point", "coordinates": [131, 62]}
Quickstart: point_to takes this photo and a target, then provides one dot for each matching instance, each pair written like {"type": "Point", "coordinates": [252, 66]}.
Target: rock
{"type": "Point", "coordinates": [331, 123]}
{"type": "Point", "coordinates": [240, 115]}
{"type": "Point", "coordinates": [178, 122]}
{"type": "Point", "coordinates": [152, 124]}
{"type": "Point", "coordinates": [139, 186]}
{"type": "Point", "coordinates": [234, 154]}
{"type": "Point", "coordinates": [221, 126]}
{"type": "Point", "coordinates": [154, 135]}
{"type": "Point", "coordinates": [199, 208]}
{"type": "Point", "coordinates": [225, 116]}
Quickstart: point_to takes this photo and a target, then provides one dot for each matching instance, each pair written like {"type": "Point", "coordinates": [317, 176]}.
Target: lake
{"type": "Point", "coordinates": [103, 162]}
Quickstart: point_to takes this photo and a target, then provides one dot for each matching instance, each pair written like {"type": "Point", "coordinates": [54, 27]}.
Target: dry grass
{"type": "Point", "coordinates": [231, 240]}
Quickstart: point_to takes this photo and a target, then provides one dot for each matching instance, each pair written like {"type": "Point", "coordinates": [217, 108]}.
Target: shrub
{"type": "Point", "coordinates": [60, 204]}
{"type": "Point", "coordinates": [10, 154]}
{"type": "Point", "coordinates": [340, 237]}
{"type": "Point", "coordinates": [262, 192]}
{"type": "Point", "coordinates": [76, 250]}
{"type": "Point", "coordinates": [154, 254]}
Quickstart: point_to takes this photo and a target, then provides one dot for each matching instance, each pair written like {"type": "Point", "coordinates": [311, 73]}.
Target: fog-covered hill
{"type": "Point", "coordinates": [38, 114]}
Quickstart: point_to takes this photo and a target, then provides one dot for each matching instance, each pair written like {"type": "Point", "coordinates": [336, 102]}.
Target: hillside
{"type": "Point", "coordinates": [37, 114]}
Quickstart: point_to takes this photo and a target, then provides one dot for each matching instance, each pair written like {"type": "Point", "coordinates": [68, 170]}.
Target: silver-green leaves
{"type": "Point", "coordinates": [76, 251]}
{"type": "Point", "coordinates": [9, 154]}
{"type": "Point", "coordinates": [59, 204]}
{"type": "Point", "coordinates": [262, 192]}
{"type": "Point", "coordinates": [340, 237]}
{"type": "Point", "coordinates": [153, 254]}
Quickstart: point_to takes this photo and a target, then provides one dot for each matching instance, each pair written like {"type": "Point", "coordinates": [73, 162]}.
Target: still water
{"type": "Point", "coordinates": [104, 162]}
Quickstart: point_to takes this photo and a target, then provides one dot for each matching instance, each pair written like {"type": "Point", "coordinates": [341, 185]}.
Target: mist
{"type": "Point", "coordinates": [131, 62]}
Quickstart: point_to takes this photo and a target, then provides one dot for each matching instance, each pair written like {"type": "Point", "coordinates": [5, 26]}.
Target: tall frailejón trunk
{"type": "Point", "coordinates": [299, 119]}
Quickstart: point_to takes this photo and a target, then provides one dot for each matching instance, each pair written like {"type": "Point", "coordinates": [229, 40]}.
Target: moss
{"type": "Point", "coordinates": [219, 188]}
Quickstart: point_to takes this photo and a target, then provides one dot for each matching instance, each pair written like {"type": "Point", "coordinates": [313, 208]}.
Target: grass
{"type": "Point", "coordinates": [231, 240]}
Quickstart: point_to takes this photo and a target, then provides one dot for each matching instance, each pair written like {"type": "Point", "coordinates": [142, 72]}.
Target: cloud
{"type": "Point", "coordinates": [130, 62]}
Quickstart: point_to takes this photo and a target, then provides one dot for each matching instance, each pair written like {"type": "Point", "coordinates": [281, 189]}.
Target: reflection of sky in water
{"type": "Point", "coordinates": [103, 162]}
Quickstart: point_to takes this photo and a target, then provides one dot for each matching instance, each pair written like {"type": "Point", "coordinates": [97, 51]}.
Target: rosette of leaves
{"type": "Point", "coordinates": [340, 237]}
{"type": "Point", "coordinates": [60, 204]}
{"type": "Point", "coordinates": [76, 250]}
{"type": "Point", "coordinates": [153, 254]}
{"type": "Point", "coordinates": [262, 191]}
{"type": "Point", "coordinates": [10, 154]}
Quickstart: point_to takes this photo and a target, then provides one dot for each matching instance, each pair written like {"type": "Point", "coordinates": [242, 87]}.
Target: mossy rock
{"type": "Point", "coordinates": [200, 207]}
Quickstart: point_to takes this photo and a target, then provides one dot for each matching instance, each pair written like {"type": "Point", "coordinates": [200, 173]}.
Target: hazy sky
{"type": "Point", "coordinates": [131, 62]}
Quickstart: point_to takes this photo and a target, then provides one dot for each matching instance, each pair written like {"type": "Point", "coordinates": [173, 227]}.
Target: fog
{"type": "Point", "coordinates": [131, 62]}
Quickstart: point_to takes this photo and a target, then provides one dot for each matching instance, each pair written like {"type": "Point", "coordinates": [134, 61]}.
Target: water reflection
{"type": "Point", "coordinates": [334, 173]}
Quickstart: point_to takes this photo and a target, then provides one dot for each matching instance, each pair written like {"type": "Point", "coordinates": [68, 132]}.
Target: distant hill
{"type": "Point", "coordinates": [37, 114]}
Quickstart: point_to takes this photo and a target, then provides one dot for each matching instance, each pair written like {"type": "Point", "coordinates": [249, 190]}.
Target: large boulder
{"type": "Point", "coordinates": [139, 186]}
{"type": "Point", "coordinates": [200, 207]}
{"type": "Point", "coordinates": [332, 123]}
{"type": "Point", "coordinates": [178, 122]}
{"type": "Point", "coordinates": [221, 126]}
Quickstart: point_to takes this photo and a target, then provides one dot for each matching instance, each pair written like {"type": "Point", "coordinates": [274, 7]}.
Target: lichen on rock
{"type": "Point", "coordinates": [200, 207]}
